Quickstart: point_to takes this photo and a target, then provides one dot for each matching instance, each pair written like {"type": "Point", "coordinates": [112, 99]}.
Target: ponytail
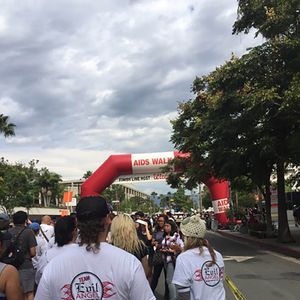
{"type": "Point", "coordinates": [211, 252]}
{"type": "Point", "coordinates": [192, 242]}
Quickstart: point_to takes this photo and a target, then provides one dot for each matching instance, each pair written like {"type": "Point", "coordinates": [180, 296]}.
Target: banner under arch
{"type": "Point", "coordinates": [150, 163]}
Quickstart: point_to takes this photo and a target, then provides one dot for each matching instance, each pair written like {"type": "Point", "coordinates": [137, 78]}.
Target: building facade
{"type": "Point", "coordinates": [129, 190]}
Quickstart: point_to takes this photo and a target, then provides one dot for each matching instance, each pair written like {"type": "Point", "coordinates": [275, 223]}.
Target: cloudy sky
{"type": "Point", "coordinates": [84, 79]}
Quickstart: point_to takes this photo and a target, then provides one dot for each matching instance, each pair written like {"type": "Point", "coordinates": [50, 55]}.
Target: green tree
{"type": "Point", "coordinates": [8, 197]}
{"type": "Point", "coordinates": [87, 174]}
{"type": "Point", "coordinates": [6, 128]}
{"type": "Point", "coordinates": [50, 189]}
{"type": "Point", "coordinates": [21, 185]}
{"type": "Point", "coordinates": [134, 204]}
{"type": "Point", "coordinates": [182, 201]}
{"type": "Point", "coordinates": [165, 200]}
{"type": "Point", "coordinates": [276, 18]}
{"type": "Point", "coordinates": [244, 121]}
{"type": "Point", "coordinates": [115, 192]}
{"type": "Point", "coordinates": [18, 185]}
{"type": "Point", "coordinates": [206, 199]}
{"type": "Point", "coordinates": [137, 203]}
{"type": "Point", "coordinates": [279, 20]}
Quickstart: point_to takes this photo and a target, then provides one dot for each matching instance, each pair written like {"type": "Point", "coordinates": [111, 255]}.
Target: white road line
{"type": "Point", "coordinates": [237, 258]}
{"type": "Point", "coordinates": [248, 243]}
{"type": "Point", "coordinates": [282, 256]}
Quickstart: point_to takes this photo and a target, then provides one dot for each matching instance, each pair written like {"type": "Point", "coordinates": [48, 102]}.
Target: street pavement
{"type": "Point", "coordinates": [254, 270]}
{"type": "Point", "coordinates": [289, 249]}
{"type": "Point", "coordinates": [263, 274]}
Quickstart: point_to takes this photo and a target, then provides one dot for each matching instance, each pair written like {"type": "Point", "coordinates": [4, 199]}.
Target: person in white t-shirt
{"type": "Point", "coordinates": [41, 244]}
{"type": "Point", "coordinates": [65, 235]}
{"type": "Point", "coordinates": [94, 269]}
{"type": "Point", "coordinates": [199, 269]}
{"type": "Point", "coordinates": [46, 228]}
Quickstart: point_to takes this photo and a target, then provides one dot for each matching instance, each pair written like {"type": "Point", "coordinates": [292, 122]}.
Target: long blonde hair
{"type": "Point", "coordinates": [193, 242]}
{"type": "Point", "coordinates": [124, 235]}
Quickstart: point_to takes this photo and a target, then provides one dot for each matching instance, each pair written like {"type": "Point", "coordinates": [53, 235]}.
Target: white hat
{"type": "Point", "coordinates": [141, 222]}
{"type": "Point", "coordinates": [193, 226]}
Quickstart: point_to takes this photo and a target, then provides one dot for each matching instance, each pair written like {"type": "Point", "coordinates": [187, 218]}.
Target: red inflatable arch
{"type": "Point", "coordinates": [149, 163]}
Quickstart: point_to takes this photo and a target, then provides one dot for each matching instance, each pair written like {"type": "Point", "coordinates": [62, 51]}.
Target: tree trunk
{"type": "Point", "coordinates": [40, 198]}
{"type": "Point", "coordinates": [284, 234]}
{"type": "Point", "coordinates": [267, 196]}
{"type": "Point", "coordinates": [43, 194]}
{"type": "Point", "coordinates": [49, 196]}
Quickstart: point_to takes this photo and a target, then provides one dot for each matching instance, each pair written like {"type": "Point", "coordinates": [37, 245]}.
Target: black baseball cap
{"type": "Point", "coordinates": [91, 208]}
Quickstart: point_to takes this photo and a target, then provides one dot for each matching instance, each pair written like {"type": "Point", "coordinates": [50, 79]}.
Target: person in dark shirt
{"type": "Point", "coordinates": [158, 236]}
{"type": "Point", "coordinates": [4, 226]}
{"type": "Point", "coordinates": [28, 243]}
{"type": "Point", "coordinates": [9, 277]}
{"type": "Point", "coordinates": [144, 232]}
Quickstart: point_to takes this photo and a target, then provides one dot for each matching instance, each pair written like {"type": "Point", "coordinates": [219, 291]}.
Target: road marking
{"type": "Point", "coordinates": [251, 245]}
{"type": "Point", "coordinates": [237, 258]}
{"type": "Point", "coordinates": [235, 291]}
{"type": "Point", "coordinates": [288, 258]}
{"type": "Point", "coordinates": [263, 251]}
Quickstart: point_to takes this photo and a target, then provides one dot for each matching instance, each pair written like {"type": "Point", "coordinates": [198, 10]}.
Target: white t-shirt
{"type": "Point", "coordinates": [111, 273]}
{"type": "Point", "coordinates": [40, 249]}
{"type": "Point", "coordinates": [47, 256]}
{"type": "Point", "coordinates": [204, 281]}
{"type": "Point", "coordinates": [51, 242]}
{"type": "Point", "coordinates": [170, 241]}
{"type": "Point", "coordinates": [48, 231]}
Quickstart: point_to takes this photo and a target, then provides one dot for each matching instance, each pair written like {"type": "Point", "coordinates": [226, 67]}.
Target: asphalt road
{"type": "Point", "coordinates": [257, 274]}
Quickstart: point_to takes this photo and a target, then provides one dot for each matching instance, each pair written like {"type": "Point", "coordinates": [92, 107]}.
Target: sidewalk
{"type": "Point", "coordinates": [290, 249]}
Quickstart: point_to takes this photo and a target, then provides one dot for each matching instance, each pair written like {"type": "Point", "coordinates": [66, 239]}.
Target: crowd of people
{"type": "Point", "coordinates": [94, 254]}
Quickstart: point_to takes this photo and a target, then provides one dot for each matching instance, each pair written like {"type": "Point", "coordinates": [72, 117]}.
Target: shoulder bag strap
{"type": "Point", "coordinates": [43, 233]}
{"type": "Point", "coordinates": [18, 235]}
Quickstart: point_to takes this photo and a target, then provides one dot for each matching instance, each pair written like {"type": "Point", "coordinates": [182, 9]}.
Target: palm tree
{"type": "Point", "coordinates": [49, 186]}
{"type": "Point", "coordinates": [8, 129]}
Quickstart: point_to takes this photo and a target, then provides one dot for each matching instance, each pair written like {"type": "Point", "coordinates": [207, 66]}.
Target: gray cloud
{"type": "Point", "coordinates": [106, 75]}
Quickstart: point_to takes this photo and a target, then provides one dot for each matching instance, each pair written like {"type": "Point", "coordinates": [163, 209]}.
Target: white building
{"type": "Point", "coordinates": [75, 185]}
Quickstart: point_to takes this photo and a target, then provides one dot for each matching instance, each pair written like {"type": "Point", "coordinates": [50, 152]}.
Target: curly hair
{"type": "Point", "coordinates": [89, 233]}
{"type": "Point", "coordinates": [124, 234]}
{"type": "Point", "coordinates": [193, 242]}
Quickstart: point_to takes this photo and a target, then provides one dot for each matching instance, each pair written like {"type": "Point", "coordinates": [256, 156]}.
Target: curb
{"type": "Point", "coordinates": [265, 245]}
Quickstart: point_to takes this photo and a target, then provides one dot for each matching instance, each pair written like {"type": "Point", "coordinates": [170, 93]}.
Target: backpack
{"type": "Point", "coordinates": [14, 254]}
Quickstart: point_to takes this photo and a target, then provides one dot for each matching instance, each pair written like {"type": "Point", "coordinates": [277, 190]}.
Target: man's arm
{"type": "Point", "coordinates": [32, 252]}
{"type": "Point", "coordinates": [31, 243]}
